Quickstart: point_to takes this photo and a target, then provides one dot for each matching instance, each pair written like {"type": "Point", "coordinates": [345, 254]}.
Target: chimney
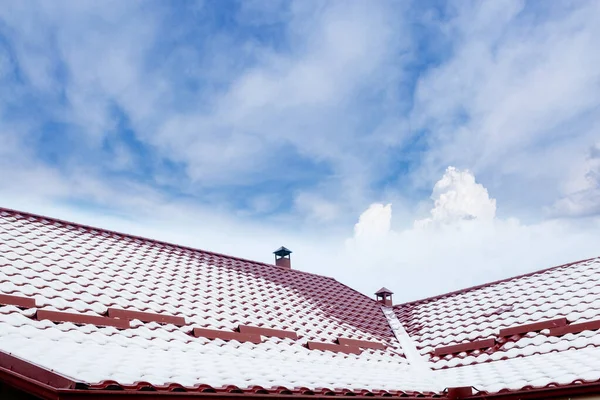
{"type": "Point", "coordinates": [282, 257]}
{"type": "Point", "coordinates": [384, 296]}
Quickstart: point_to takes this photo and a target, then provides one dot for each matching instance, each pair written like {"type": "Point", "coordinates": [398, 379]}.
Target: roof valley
{"type": "Point", "coordinates": [409, 347]}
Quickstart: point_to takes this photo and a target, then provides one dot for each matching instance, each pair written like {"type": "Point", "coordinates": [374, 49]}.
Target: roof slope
{"type": "Point", "coordinates": [80, 270]}
{"type": "Point", "coordinates": [553, 316]}
{"type": "Point", "coordinates": [110, 310]}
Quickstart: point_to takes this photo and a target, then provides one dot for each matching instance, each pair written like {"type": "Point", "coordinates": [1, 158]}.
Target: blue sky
{"type": "Point", "coordinates": [234, 126]}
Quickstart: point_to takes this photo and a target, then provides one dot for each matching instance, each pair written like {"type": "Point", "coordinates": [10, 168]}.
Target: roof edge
{"type": "Point", "coordinates": [27, 385]}
{"type": "Point", "coordinates": [147, 239]}
{"type": "Point", "coordinates": [49, 385]}
{"type": "Point", "coordinates": [35, 372]}
{"type": "Point", "coordinates": [74, 394]}
{"type": "Point", "coordinates": [574, 389]}
{"type": "Point", "coordinates": [475, 287]}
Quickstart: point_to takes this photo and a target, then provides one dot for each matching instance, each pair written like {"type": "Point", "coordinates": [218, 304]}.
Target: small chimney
{"type": "Point", "coordinates": [384, 296]}
{"type": "Point", "coordinates": [282, 257]}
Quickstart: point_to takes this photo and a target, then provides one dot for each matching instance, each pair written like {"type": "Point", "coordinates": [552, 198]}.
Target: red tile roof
{"type": "Point", "coordinates": [105, 310]}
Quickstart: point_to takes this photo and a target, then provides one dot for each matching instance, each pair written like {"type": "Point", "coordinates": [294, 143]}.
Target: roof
{"type": "Point", "coordinates": [87, 309]}
{"type": "Point", "coordinates": [384, 290]}
{"type": "Point", "coordinates": [532, 330]}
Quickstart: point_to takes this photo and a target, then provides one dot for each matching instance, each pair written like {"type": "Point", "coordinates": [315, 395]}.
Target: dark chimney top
{"type": "Point", "coordinates": [384, 296]}
{"type": "Point", "coordinates": [282, 257]}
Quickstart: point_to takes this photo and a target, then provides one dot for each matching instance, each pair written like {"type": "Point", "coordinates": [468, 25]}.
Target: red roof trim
{"type": "Point", "coordinates": [272, 391]}
{"type": "Point", "coordinates": [465, 290]}
{"type": "Point", "coordinates": [365, 344]}
{"type": "Point", "coordinates": [127, 395]}
{"type": "Point", "coordinates": [337, 348]}
{"type": "Point", "coordinates": [226, 335]}
{"type": "Point", "coordinates": [575, 328]}
{"type": "Point", "coordinates": [542, 393]}
{"type": "Point", "coordinates": [27, 385]}
{"type": "Point", "coordinates": [461, 392]}
{"type": "Point", "coordinates": [534, 327]}
{"type": "Point", "coordinates": [19, 301]}
{"type": "Point", "coordinates": [146, 316]}
{"type": "Point", "coordinates": [58, 316]}
{"type": "Point", "coordinates": [459, 348]}
{"type": "Point", "coordinates": [42, 375]}
{"type": "Point", "coordinates": [255, 330]}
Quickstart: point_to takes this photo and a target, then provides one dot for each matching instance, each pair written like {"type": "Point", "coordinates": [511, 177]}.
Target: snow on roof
{"type": "Point", "coordinates": [567, 294]}
{"type": "Point", "coordinates": [107, 309]}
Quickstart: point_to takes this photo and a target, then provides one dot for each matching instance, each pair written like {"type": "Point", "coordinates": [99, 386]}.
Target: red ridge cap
{"type": "Point", "coordinates": [227, 335]}
{"type": "Point", "coordinates": [533, 327]}
{"type": "Point", "coordinates": [146, 316]}
{"type": "Point", "coordinates": [59, 316]}
{"type": "Point", "coordinates": [337, 348]}
{"type": "Point", "coordinates": [19, 301]}
{"type": "Point", "coordinates": [458, 348]}
{"type": "Point", "coordinates": [255, 330]}
{"type": "Point", "coordinates": [576, 328]}
{"type": "Point", "coordinates": [365, 344]}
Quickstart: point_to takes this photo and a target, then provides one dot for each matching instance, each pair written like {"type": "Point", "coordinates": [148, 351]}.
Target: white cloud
{"type": "Point", "coordinates": [449, 251]}
{"type": "Point", "coordinates": [583, 199]}
{"type": "Point", "coordinates": [374, 223]}
{"type": "Point", "coordinates": [518, 88]}
{"type": "Point", "coordinates": [259, 105]}
{"type": "Point", "coordinates": [316, 207]}
{"type": "Point", "coordinates": [415, 262]}
{"type": "Point", "coordinates": [515, 101]}
{"type": "Point", "coordinates": [457, 197]}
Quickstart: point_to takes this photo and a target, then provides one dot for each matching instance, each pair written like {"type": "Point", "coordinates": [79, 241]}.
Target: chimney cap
{"type": "Point", "coordinates": [282, 252]}
{"type": "Point", "coordinates": [384, 290]}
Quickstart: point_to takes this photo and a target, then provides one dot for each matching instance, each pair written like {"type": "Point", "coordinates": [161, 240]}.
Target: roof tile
{"type": "Point", "coordinates": [78, 272]}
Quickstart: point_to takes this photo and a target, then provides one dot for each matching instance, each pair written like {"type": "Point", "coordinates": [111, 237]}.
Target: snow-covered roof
{"type": "Point", "coordinates": [534, 330]}
{"type": "Point", "coordinates": [107, 310]}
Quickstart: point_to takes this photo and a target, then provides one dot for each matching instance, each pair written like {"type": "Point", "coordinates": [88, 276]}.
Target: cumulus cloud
{"type": "Point", "coordinates": [374, 223]}
{"type": "Point", "coordinates": [461, 244]}
{"type": "Point", "coordinates": [458, 197]}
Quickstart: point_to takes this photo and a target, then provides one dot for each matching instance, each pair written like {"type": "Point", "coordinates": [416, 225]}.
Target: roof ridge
{"type": "Point", "coordinates": [352, 289]}
{"type": "Point", "coordinates": [475, 287]}
{"type": "Point", "coordinates": [147, 239]}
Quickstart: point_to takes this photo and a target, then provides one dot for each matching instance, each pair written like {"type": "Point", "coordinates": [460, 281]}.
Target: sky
{"type": "Point", "coordinates": [424, 146]}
